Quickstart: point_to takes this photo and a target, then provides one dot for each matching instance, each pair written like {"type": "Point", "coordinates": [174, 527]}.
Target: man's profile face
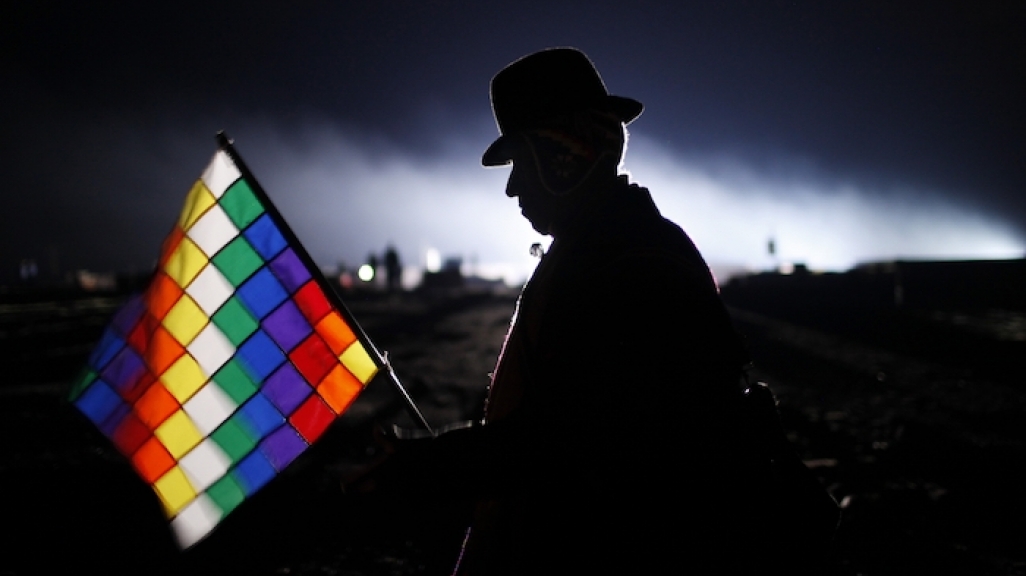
{"type": "Point", "coordinates": [536, 203]}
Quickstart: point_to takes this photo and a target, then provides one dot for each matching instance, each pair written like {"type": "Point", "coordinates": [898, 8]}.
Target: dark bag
{"type": "Point", "coordinates": [800, 515]}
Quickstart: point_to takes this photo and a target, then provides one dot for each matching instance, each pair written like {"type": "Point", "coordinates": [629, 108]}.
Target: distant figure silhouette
{"type": "Point", "coordinates": [613, 440]}
{"type": "Point", "coordinates": [372, 263]}
{"type": "Point", "coordinates": [393, 269]}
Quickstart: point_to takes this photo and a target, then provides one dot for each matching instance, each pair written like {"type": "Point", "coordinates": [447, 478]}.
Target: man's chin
{"type": "Point", "coordinates": [531, 221]}
{"type": "Point", "coordinates": [538, 226]}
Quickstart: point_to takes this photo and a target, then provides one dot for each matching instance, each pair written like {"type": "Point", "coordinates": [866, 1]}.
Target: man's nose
{"type": "Point", "coordinates": [511, 189]}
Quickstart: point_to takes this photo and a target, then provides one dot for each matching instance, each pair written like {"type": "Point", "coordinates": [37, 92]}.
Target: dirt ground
{"type": "Point", "coordinates": [914, 423]}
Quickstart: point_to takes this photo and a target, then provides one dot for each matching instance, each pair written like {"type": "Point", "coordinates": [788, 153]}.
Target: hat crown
{"type": "Point", "coordinates": [549, 83]}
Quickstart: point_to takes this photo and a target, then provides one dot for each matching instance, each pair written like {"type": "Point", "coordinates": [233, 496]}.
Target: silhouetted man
{"type": "Point", "coordinates": [610, 442]}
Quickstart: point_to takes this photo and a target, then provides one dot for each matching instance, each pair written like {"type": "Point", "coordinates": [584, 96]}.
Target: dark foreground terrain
{"type": "Point", "coordinates": [915, 420]}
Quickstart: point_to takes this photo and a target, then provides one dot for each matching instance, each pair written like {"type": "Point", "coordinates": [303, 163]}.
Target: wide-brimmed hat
{"type": "Point", "coordinates": [547, 84]}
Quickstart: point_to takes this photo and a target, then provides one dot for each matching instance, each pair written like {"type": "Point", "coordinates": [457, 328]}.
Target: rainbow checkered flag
{"type": "Point", "coordinates": [232, 362]}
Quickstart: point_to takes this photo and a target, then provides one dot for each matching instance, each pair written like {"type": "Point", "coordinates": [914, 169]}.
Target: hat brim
{"type": "Point", "coordinates": [500, 152]}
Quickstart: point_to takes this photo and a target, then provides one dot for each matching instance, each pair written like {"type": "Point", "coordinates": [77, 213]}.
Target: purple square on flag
{"type": "Point", "coordinates": [287, 326]}
{"type": "Point", "coordinates": [283, 446]}
{"type": "Point", "coordinates": [290, 270]}
{"type": "Point", "coordinates": [110, 424]}
{"type": "Point", "coordinates": [286, 389]}
{"type": "Point", "coordinates": [125, 371]}
{"type": "Point", "coordinates": [125, 319]}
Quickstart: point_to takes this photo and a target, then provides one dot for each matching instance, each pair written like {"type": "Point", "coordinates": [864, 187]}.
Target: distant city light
{"type": "Point", "coordinates": [345, 279]}
{"type": "Point", "coordinates": [432, 260]}
{"type": "Point", "coordinates": [365, 273]}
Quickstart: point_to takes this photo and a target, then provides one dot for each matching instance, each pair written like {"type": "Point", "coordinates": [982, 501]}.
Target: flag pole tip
{"type": "Point", "coordinates": [223, 140]}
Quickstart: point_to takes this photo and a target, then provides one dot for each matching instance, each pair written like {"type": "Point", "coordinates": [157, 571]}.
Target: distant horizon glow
{"type": "Point", "coordinates": [347, 199]}
{"type": "Point", "coordinates": [452, 207]}
{"type": "Point", "coordinates": [733, 211]}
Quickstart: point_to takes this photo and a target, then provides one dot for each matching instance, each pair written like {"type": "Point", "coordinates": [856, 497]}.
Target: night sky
{"type": "Point", "coordinates": [846, 131]}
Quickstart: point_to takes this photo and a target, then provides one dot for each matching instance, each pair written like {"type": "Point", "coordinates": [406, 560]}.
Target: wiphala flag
{"type": "Point", "coordinates": [231, 363]}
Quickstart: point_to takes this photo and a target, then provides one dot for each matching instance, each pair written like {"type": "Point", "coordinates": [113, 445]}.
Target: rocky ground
{"type": "Point", "coordinates": [915, 420]}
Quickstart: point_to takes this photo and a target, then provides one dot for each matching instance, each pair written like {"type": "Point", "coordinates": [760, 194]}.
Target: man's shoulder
{"type": "Point", "coordinates": [633, 235]}
{"type": "Point", "coordinates": [633, 260]}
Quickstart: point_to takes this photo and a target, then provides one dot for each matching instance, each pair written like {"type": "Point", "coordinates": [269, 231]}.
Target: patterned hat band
{"type": "Point", "coordinates": [569, 148]}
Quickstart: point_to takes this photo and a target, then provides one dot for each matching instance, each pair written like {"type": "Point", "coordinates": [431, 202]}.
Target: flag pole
{"type": "Point", "coordinates": [225, 144]}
